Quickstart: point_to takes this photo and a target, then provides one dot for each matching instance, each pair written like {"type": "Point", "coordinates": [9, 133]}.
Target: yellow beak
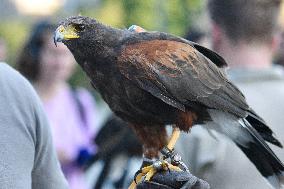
{"type": "Point", "coordinates": [64, 33]}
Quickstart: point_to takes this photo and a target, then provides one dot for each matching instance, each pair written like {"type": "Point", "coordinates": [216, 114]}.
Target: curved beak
{"type": "Point", "coordinates": [64, 33]}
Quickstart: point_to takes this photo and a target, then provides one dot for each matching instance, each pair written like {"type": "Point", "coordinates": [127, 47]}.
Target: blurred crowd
{"type": "Point", "coordinates": [94, 154]}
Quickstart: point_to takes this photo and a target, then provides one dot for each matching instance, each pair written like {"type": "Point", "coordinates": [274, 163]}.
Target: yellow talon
{"type": "Point", "coordinates": [136, 180]}
{"type": "Point", "coordinates": [132, 185]}
{"type": "Point", "coordinates": [139, 177]}
{"type": "Point", "coordinates": [150, 174]}
{"type": "Point", "coordinates": [146, 169]}
{"type": "Point", "coordinates": [172, 167]}
{"type": "Point", "coordinates": [149, 171]}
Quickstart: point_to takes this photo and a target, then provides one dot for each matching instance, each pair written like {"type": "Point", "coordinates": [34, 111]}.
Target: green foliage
{"type": "Point", "coordinates": [163, 15]}
{"type": "Point", "coordinates": [109, 12]}
{"type": "Point", "coordinates": [14, 33]}
{"type": "Point", "coordinates": [139, 12]}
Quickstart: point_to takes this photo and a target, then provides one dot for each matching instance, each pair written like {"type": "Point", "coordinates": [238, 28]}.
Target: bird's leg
{"type": "Point", "coordinates": [173, 139]}
{"type": "Point", "coordinates": [175, 158]}
{"type": "Point", "coordinates": [140, 174]}
{"type": "Point", "coordinates": [147, 172]}
{"type": "Point", "coordinates": [137, 178]}
{"type": "Point", "coordinates": [170, 153]}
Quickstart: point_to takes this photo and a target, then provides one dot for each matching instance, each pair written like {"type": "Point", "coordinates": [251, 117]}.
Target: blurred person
{"type": "Point", "coordinates": [28, 158]}
{"type": "Point", "coordinates": [120, 153]}
{"type": "Point", "coordinates": [279, 58]}
{"type": "Point", "coordinates": [71, 112]}
{"type": "Point", "coordinates": [3, 50]}
{"type": "Point", "coordinates": [245, 34]}
{"type": "Point", "coordinates": [197, 36]}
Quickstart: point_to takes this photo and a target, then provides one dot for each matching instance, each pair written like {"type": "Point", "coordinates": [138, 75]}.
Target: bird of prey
{"type": "Point", "coordinates": [153, 79]}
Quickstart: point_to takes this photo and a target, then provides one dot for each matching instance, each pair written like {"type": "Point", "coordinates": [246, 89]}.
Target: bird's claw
{"type": "Point", "coordinates": [147, 172]}
{"type": "Point", "coordinates": [136, 175]}
{"type": "Point", "coordinates": [174, 158]}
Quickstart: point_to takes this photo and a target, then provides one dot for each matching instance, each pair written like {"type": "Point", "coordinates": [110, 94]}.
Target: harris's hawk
{"type": "Point", "coordinates": [153, 79]}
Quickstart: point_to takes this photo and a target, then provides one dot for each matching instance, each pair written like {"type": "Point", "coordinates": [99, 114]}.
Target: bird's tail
{"type": "Point", "coordinates": [260, 154]}
{"type": "Point", "coordinates": [249, 134]}
{"type": "Point", "coordinates": [260, 126]}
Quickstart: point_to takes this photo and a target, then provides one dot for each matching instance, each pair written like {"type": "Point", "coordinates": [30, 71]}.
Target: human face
{"type": "Point", "coordinates": [56, 63]}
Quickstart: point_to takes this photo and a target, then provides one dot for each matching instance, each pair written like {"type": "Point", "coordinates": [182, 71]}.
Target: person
{"type": "Point", "coordinates": [119, 151]}
{"type": "Point", "coordinates": [279, 57]}
{"type": "Point", "coordinates": [28, 158]}
{"type": "Point", "coordinates": [245, 34]}
{"type": "Point", "coordinates": [198, 36]}
{"type": "Point", "coordinates": [71, 112]}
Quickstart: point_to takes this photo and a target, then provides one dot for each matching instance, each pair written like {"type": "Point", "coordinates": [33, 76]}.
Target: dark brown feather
{"type": "Point", "coordinates": [153, 138]}
{"type": "Point", "coordinates": [186, 120]}
{"type": "Point", "coordinates": [178, 74]}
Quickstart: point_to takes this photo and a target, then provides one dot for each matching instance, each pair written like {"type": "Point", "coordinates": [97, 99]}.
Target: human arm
{"type": "Point", "coordinates": [27, 158]}
{"type": "Point", "coordinates": [46, 172]}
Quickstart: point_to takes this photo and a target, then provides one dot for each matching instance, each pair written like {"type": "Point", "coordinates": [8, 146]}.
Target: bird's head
{"type": "Point", "coordinates": [74, 28]}
{"type": "Point", "coordinates": [86, 36]}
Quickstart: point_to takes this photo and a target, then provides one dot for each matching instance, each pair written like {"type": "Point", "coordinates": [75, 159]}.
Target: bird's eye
{"type": "Point", "coordinates": [79, 27]}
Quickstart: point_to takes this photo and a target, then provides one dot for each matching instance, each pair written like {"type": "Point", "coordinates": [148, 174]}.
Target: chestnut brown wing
{"type": "Point", "coordinates": [179, 74]}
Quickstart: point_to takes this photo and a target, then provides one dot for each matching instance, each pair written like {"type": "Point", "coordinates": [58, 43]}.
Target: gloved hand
{"type": "Point", "coordinates": [174, 180]}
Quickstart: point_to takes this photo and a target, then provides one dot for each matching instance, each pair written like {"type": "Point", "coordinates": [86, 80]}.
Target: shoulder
{"type": "Point", "coordinates": [19, 98]}
{"type": "Point", "coordinates": [18, 91]}
{"type": "Point", "coordinates": [11, 80]}
{"type": "Point", "coordinates": [7, 71]}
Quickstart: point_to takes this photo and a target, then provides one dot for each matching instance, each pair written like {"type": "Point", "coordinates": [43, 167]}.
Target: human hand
{"type": "Point", "coordinates": [174, 180]}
